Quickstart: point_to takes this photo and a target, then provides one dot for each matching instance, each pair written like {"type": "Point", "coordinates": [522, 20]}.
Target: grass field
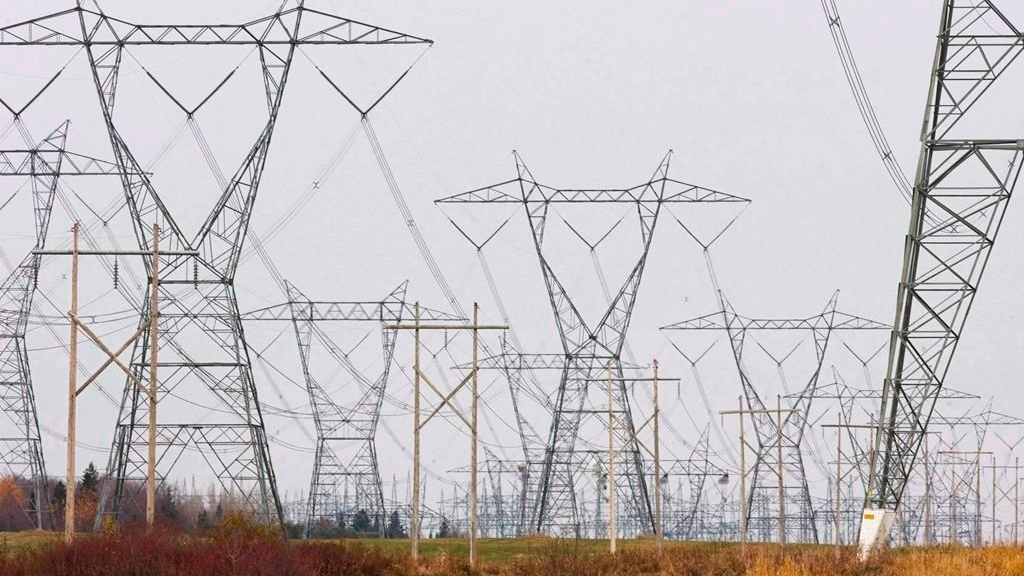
{"type": "Point", "coordinates": [238, 552]}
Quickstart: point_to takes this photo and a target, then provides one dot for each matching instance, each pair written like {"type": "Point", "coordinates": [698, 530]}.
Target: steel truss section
{"type": "Point", "coordinates": [763, 520]}
{"type": "Point", "coordinates": [80, 26]}
{"type": "Point", "coordinates": [588, 348]}
{"type": "Point", "coordinates": [21, 454]}
{"type": "Point", "coordinates": [962, 186]}
{"type": "Point", "coordinates": [205, 358]}
{"type": "Point", "coordinates": [346, 460]}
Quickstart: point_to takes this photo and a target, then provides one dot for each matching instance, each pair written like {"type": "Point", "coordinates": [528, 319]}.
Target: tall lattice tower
{"type": "Point", "coordinates": [962, 185]}
{"type": "Point", "coordinates": [346, 469]}
{"type": "Point", "coordinates": [21, 453]}
{"type": "Point", "coordinates": [203, 357]}
{"type": "Point", "coordinates": [779, 449]}
{"type": "Point", "coordinates": [590, 347]}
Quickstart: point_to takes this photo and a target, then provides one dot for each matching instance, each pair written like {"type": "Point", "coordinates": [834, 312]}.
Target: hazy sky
{"type": "Point", "coordinates": [749, 95]}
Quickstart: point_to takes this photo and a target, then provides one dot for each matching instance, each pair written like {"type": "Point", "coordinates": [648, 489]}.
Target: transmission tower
{"type": "Point", "coordinates": [799, 521]}
{"type": "Point", "coordinates": [588, 347]}
{"type": "Point", "coordinates": [21, 454]}
{"type": "Point", "coordinates": [962, 185]}
{"type": "Point", "coordinates": [206, 358]}
{"type": "Point", "coordinates": [684, 518]}
{"type": "Point", "coordinates": [346, 454]}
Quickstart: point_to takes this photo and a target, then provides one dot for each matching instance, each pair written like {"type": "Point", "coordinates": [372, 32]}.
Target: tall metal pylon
{"type": "Point", "coordinates": [346, 460]}
{"type": "Point", "coordinates": [589, 347]}
{"type": "Point", "coordinates": [205, 358]}
{"type": "Point", "coordinates": [799, 522]}
{"type": "Point", "coordinates": [962, 186]}
{"type": "Point", "coordinates": [21, 454]}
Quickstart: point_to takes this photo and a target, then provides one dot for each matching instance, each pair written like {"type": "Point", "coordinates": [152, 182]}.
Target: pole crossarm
{"type": "Point", "coordinates": [64, 29]}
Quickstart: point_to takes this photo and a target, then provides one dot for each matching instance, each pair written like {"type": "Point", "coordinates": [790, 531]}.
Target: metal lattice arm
{"type": "Point", "coordinates": [351, 312]}
{"type": "Point", "coordinates": [35, 162]}
{"type": "Point", "coordinates": [63, 29]}
{"type": "Point", "coordinates": [662, 190]}
{"type": "Point", "coordinates": [840, 321]}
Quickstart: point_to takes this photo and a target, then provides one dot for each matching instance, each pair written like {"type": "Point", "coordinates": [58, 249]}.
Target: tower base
{"type": "Point", "coordinates": [875, 529]}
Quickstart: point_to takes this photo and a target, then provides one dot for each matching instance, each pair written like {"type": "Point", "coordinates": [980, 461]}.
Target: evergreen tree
{"type": "Point", "coordinates": [90, 478]}
{"type": "Point", "coordinates": [361, 521]}
{"type": "Point", "coordinates": [60, 494]}
{"type": "Point", "coordinates": [444, 531]}
{"type": "Point", "coordinates": [395, 528]}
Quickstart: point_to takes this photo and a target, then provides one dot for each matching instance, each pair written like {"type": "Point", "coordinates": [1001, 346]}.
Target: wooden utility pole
{"type": "Point", "coordinates": [634, 436]}
{"type": "Point", "coordinates": [778, 411]}
{"type": "Point", "coordinates": [473, 442]}
{"type": "Point", "coordinates": [782, 485]}
{"type": "Point", "coordinates": [154, 305]}
{"type": "Point", "coordinates": [743, 481]}
{"type": "Point", "coordinates": [927, 496]}
{"type": "Point", "coordinates": [612, 503]}
{"type": "Point", "coordinates": [414, 529]}
{"type": "Point", "coordinates": [446, 400]}
{"type": "Point", "coordinates": [113, 357]}
{"type": "Point", "coordinates": [657, 464]}
{"type": "Point", "coordinates": [839, 478]}
{"type": "Point", "coordinates": [69, 498]}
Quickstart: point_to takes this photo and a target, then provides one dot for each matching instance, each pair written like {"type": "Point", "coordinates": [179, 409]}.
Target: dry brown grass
{"type": "Point", "coordinates": [235, 550]}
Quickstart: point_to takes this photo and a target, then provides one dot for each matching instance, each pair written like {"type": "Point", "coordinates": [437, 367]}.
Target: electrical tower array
{"type": "Point", "coordinates": [921, 473]}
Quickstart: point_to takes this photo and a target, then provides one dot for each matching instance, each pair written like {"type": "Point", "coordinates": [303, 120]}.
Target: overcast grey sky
{"type": "Point", "coordinates": [750, 95]}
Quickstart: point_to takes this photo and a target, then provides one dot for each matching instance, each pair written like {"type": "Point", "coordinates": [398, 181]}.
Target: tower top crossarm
{"type": "Point", "coordinates": [26, 163]}
{"type": "Point", "coordinates": [316, 27]}
{"type": "Point", "coordinates": [351, 311]}
{"type": "Point", "coordinates": [836, 321]}
{"type": "Point", "coordinates": [985, 418]}
{"type": "Point", "coordinates": [522, 190]}
{"type": "Point", "coordinates": [526, 190]}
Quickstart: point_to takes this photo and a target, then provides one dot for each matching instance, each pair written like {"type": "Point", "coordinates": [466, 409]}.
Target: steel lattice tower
{"type": "Point", "coordinates": [800, 524]}
{"type": "Point", "coordinates": [346, 453]}
{"type": "Point", "coordinates": [21, 453]}
{"type": "Point", "coordinates": [962, 185]}
{"type": "Point", "coordinates": [204, 356]}
{"type": "Point", "coordinates": [589, 347]}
